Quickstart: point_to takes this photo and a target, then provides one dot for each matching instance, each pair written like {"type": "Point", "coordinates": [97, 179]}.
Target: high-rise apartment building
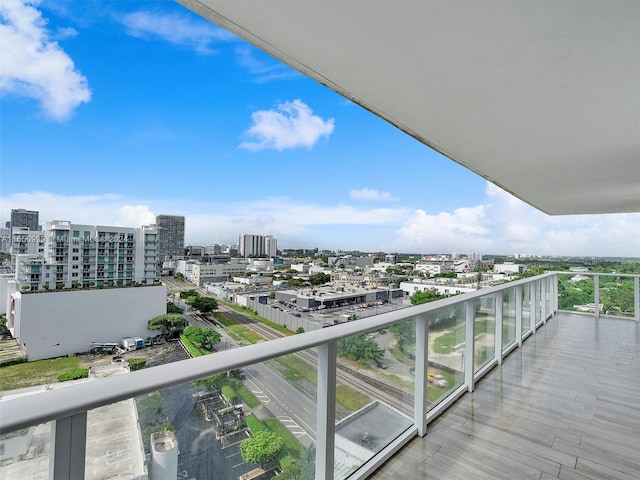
{"type": "Point", "coordinates": [71, 255]}
{"type": "Point", "coordinates": [257, 245]}
{"type": "Point", "coordinates": [24, 218]}
{"type": "Point", "coordinates": [170, 235]}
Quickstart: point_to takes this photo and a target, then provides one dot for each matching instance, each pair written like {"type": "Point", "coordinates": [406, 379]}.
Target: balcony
{"type": "Point", "coordinates": [513, 401]}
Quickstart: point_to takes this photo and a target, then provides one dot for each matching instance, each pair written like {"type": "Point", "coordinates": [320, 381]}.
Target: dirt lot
{"type": "Point", "coordinates": [155, 355]}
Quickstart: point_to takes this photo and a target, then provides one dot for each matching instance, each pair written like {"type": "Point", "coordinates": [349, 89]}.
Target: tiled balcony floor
{"type": "Point", "coordinates": [566, 405]}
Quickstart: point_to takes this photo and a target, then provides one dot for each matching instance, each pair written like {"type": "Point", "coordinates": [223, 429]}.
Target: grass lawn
{"type": "Point", "coordinates": [250, 313]}
{"type": "Point", "coordinates": [39, 372]}
{"type": "Point", "coordinates": [291, 443]}
{"type": "Point", "coordinates": [241, 390]}
{"type": "Point", "coordinates": [238, 332]}
{"type": "Point", "coordinates": [298, 371]}
{"type": "Point", "coordinates": [446, 342]}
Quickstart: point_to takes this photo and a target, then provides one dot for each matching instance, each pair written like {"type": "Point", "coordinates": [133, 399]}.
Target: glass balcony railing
{"type": "Point", "coordinates": [307, 404]}
{"type": "Point", "coordinates": [610, 294]}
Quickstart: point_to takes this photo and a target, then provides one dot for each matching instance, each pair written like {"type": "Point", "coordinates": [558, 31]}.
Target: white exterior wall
{"type": "Point", "coordinates": [5, 278]}
{"type": "Point", "coordinates": [412, 288]}
{"type": "Point", "coordinates": [54, 324]}
{"type": "Point", "coordinates": [164, 455]}
{"type": "Point", "coordinates": [509, 268]}
{"type": "Point", "coordinates": [203, 272]}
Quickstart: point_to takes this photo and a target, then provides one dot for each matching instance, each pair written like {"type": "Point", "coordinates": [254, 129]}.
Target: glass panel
{"type": "Point", "coordinates": [617, 296]}
{"type": "Point", "coordinates": [258, 419]}
{"type": "Point", "coordinates": [575, 293]}
{"type": "Point", "coordinates": [526, 304]}
{"type": "Point", "coordinates": [508, 317]}
{"type": "Point", "coordinates": [484, 330]}
{"type": "Point", "coordinates": [374, 395]}
{"type": "Point", "coordinates": [447, 336]}
{"type": "Point", "coordinates": [26, 453]}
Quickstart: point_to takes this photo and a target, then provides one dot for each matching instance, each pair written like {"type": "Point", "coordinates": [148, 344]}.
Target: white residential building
{"type": "Point", "coordinates": [257, 245]}
{"type": "Point", "coordinates": [66, 255]}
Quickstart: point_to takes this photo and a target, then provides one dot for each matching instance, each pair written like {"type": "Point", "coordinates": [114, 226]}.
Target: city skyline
{"type": "Point", "coordinates": [127, 110]}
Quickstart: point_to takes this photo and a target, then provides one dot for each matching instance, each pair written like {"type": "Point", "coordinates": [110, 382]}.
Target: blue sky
{"type": "Point", "coordinates": [114, 112]}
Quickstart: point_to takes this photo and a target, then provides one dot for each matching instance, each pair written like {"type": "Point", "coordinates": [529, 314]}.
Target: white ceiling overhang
{"type": "Point", "coordinates": [542, 98]}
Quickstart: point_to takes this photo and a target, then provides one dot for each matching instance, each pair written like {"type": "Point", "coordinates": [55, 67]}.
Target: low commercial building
{"type": "Point", "coordinates": [509, 268]}
{"type": "Point", "coordinates": [211, 273]}
{"type": "Point", "coordinates": [335, 296]}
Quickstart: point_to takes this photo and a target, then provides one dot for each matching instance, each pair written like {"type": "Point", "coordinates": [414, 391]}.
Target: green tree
{"type": "Point", "coordinates": [171, 325]}
{"type": "Point", "coordinates": [319, 278]}
{"type": "Point", "coordinates": [419, 297]}
{"type": "Point", "coordinates": [204, 304]}
{"type": "Point", "coordinates": [203, 337]}
{"type": "Point", "coordinates": [189, 294]}
{"type": "Point", "coordinates": [360, 349]}
{"type": "Point", "coordinates": [261, 447]}
{"type": "Point", "coordinates": [209, 382]}
{"type": "Point", "coordinates": [173, 308]}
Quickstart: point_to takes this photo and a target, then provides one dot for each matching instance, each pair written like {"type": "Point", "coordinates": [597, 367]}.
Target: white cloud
{"type": "Point", "coordinates": [444, 232]}
{"type": "Point", "coordinates": [501, 225]}
{"type": "Point", "coordinates": [370, 194]}
{"type": "Point", "coordinates": [176, 29]}
{"type": "Point", "coordinates": [507, 225]}
{"type": "Point", "coordinates": [34, 65]}
{"type": "Point", "coordinates": [289, 125]}
{"type": "Point", "coordinates": [103, 209]}
{"type": "Point", "coordinates": [262, 71]}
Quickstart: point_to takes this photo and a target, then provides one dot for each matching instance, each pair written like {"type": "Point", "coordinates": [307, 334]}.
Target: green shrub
{"type": "Point", "coordinates": [254, 424]}
{"type": "Point", "coordinates": [137, 364]}
{"type": "Point", "coordinates": [13, 361]}
{"type": "Point", "coordinates": [229, 393]}
{"type": "Point", "coordinates": [74, 374]}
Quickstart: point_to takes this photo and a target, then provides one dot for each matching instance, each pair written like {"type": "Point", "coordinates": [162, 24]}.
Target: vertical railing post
{"type": "Point", "coordinates": [69, 447]}
{"type": "Point", "coordinates": [636, 298]}
{"type": "Point", "coordinates": [499, 299]}
{"type": "Point", "coordinates": [533, 305]}
{"type": "Point", "coordinates": [422, 362]}
{"type": "Point", "coordinates": [519, 315]}
{"type": "Point", "coordinates": [596, 296]}
{"type": "Point", "coordinates": [544, 291]}
{"type": "Point", "coordinates": [469, 346]}
{"type": "Point", "coordinates": [554, 296]}
{"type": "Point", "coordinates": [326, 410]}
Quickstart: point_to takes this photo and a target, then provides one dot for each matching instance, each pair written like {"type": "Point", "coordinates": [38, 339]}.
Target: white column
{"type": "Point", "coordinates": [69, 447]}
{"type": "Point", "coordinates": [422, 361]}
{"type": "Point", "coordinates": [499, 299]}
{"type": "Point", "coordinates": [469, 346]}
{"type": "Point", "coordinates": [326, 410]}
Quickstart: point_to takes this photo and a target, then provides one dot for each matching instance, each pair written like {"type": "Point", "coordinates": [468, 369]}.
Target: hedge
{"type": "Point", "coordinates": [254, 424]}
{"type": "Point", "coordinates": [74, 374]}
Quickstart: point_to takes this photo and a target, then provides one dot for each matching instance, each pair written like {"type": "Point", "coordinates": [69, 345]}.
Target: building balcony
{"type": "Point", "coordinates": [503, 386]}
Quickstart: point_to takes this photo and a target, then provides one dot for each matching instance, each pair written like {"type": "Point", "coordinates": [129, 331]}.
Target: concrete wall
{"type": "Point", "coordinates": [54, 324]}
